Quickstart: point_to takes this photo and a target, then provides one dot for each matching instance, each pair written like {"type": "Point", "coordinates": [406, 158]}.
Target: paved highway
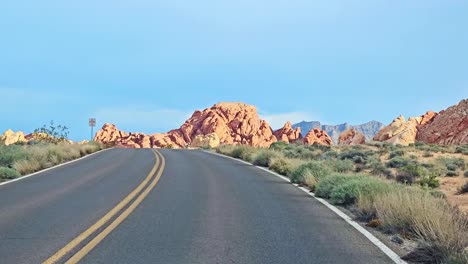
{"type": "Point", "coordinates": [171, 206]}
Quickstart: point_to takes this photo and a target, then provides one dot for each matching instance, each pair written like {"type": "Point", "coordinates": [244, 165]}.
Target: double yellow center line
{"type": "Point", "coordinates": [137, 196]}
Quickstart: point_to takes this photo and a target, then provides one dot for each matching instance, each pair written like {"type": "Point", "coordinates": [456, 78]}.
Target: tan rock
{"type": "Point", "coordinates": [404, 132]}
{"type": "Point", "coordinates": [351, 137]}
{"type": "Point", "coordinates": [288, 134]}
{"type": "Point", "coordinates": [318, 136]}
{"type": "Point", "coordinates": [9, 137]}
{"type": "Point", "coordinates": [206, 141]}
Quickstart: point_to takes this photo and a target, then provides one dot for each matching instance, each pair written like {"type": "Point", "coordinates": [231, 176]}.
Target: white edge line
{"type": "Point", "coordinates": [390, 253]}
{"type": "Point", "coordinates": [51, 168]}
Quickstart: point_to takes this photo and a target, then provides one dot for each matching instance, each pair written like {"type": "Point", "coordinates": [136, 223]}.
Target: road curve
{"type": "Point", "coordinates": [203, 209]}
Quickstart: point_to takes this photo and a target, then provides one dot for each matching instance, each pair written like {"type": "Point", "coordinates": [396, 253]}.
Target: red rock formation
{"type": "Point", "coordinates": [351, 137]}
{"type": "Point", "coordinates": [449, 127]}
{"type": "Point", "coordinates": [233, 123]}
{"type": "Point", "coordinates": [318, 136]}
{"type": "Point", "coordinates": [288, 134]}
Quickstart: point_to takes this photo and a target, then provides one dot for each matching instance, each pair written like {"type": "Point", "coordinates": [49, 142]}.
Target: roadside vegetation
{"type": "Point", "coordinates": [395, 189]}
{"type": "Point", "coordinates": [48, 147]}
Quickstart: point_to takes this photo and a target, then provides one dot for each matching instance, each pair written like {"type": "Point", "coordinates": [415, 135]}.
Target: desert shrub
{"type": "Point", "coordinates": [377, 168]}
{"type": "Point", "coordinates": [463, 189]}
{"type": "Point", "coordinates": [397, 153]}
{"type": "Point", "coordinates": [465, 173]}
{"type": "Point", "coordinates": [340, 166]}
{"type": "Point", "coordinates": [440, 228]}
{"type": "Point", "coordinates": [330, 155]}
{"type": "Point", "coordinates": [452, 167]}
{"type": "Point", "coordinates": [52, 133]}
{"type": "Point", "coordinates": [405, 178]}
{"type": "Point", "coordinates": [415, 170]}
{"type": "Point", "coordinates": [347, 191]}
{"type": "Point", "coordinates": [8, 173]}
{"type": "Point", "coordinates": [282, 166]}
{"type": "Point", "coordinates": [452, 163]}
{"type": "Point", "coordinates": [427, 154]}
{"type": "Point", "coordinates": [279, 145]}
{"type": "Point", "coordinates": [326, 185]}
{"type": "Point", "coordinates": [8, 155]}
{"type": "Point", "coordinates": [429, 181]}
{"type": "Point", "coordinates": [315, 168]}
{"type": "Point", "coordinates": [451, 173]}
{"type": "Point", "coordinates": [265, 157]}
{"type": "Point", "coordinates": [356, 155]}
{"type": "Point", "coordinates": [397, 162]}
{"type": "Point", "coordinates": [242, 152]}
{"type": "Point", "coordinates": [462, 149]}
{"type": "Point", "coordinates": [301, 152]}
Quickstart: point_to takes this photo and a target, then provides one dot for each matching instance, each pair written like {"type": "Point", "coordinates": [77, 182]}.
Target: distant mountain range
{"type": "Point", "coordinates": [369, 129]}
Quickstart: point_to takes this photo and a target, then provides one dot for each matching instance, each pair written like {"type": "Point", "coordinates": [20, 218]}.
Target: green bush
{"type": "Point", "coordinates": [415, 170]}
{"type": "Point", "coordinates": [397, 153]}
{"type": "Point", "coordinates": [242, 152]}
{"type": "Point", "coordinates": [325, 186]}
{"type": "Point", "coordinates": [465, 173]}
{"type": "Point", "coordinates": [279, 145]}
{"type": "Point", "coordinates": [313, 168]}
{"type": "Point", "coordinates": [345, 190]}
{"type": "Point", "coordinates": [429, 181]}
{"type": "Point", "coordinates": [452, 163]}
{"type": "Point", "coordinates": [452, 167]}
{"type": "Point", "coordinates": [349, 192]}
{"type": "Point", "coordinates": [9, 154]}
{"type": "Point", "coordinates": [264, 158]}
{"type": "Point", "coordinates": [340, 166]}
{"type": "Point", "coordinates": [281, 166]}
{"type": "Point", "coordinates": [8, 173]}
{"type": "Point", "coordinates": [354, 154]}
{"type": "Point", "coordinates": [451, 173]}
{"type": "Point", "coordinates": [397, 162]}
{"type": "Point", "coordinates": [462, 149]}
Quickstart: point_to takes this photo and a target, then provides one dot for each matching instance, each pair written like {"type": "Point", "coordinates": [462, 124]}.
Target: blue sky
{"type": "Point", "coordinates": [146, 65]}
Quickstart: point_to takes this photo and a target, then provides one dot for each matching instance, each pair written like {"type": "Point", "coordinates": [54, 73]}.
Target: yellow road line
{"type": "Point", "coordinates": [83, 236]}
{"type": "Point", "coordinates": [93, 243]}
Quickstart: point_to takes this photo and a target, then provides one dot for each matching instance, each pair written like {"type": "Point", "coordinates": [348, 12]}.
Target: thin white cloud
{"type": "Point", "coordinates": [278, 120]}
{"type": "Point", "coordinates": [138, 119]}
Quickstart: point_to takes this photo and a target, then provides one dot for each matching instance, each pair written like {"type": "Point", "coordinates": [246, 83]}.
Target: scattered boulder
{"type": "Point", "coordinates": [318, 136]}
{"type": "Point", "coordinates": [351, 137]}
{"type": "Point", "coordinates": [9, 137]}
{"type": "Point", "coordinates": [206, 141]}
{"type": "Point", "coordinates": [288, 134]}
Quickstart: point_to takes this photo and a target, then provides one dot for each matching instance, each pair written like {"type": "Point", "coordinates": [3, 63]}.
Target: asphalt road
{"type": "Point", "coordinates": [202, 209]}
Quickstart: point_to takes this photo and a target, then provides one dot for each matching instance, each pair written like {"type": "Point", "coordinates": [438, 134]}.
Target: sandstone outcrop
{"type": "Point", "coordinates": [206, 141]}
{"type": "Point", "coordinates": [351, 137]}
{"type": "Point", "coordinates": [288, 134]}
{"type": "Point", "coordinates": [404, 132]}
{"type": "Point", "coordinates": [319, 137]}
{"type": "Point", "coordinates": [449, 127]}
{"type": "Point", "coordinates": [9, 137]}
{"type": "Point", "coordinates": [233, 123]}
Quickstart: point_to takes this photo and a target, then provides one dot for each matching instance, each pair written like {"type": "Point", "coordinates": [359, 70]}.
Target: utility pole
{"type": "Point", "coordinates": [92, 124]}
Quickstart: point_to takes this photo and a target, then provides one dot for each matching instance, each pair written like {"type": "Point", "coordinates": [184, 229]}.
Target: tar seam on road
{"type": "Point", "coordinates": [51, 168]}
{"type": "Point", "coordinates": [390, 253]}
{"type": "Point", "coordinates": [137, 195]}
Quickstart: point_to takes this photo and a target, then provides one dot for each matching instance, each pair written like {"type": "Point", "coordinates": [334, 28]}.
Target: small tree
{"type": "Point", "coordinates": [52, 133]}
